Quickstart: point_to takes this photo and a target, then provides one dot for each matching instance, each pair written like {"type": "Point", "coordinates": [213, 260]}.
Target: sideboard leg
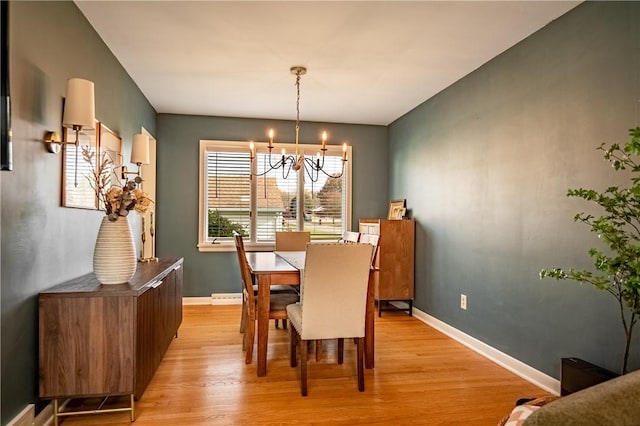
{"type": "Point", "coordinates": [133, 409]}
{"type": "Point", "coordinates": [55, 412]}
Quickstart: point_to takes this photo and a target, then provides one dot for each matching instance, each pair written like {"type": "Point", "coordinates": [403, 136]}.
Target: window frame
{"type": "Point", "coordinates": [206, 145]}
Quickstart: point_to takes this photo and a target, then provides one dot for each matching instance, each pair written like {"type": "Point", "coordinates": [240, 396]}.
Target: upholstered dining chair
{"type": "Point", "coordinates": [349, 237]}
{"type": "Point", "coordinates": [333, 303]}
{"type": "Point", "coordinates": [292, 240]}
{"type": "Point", "coordinates": [362, 239]}
{"type": "Point", "coordinates": [277, 308]}
{"type": "Point", "coordinates": [374, 240]}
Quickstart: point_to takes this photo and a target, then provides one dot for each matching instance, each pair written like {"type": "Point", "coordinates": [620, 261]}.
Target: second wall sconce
{"type": "Point", "coordinates": [79, 114]}
{"type": "Point", "coordinates": [139, 155]}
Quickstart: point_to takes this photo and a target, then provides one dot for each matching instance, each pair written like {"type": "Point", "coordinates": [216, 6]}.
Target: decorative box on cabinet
{"type": "Point", "coordinates": [395, 260]}
{"type": "Point", "coordinates": [107, 340]}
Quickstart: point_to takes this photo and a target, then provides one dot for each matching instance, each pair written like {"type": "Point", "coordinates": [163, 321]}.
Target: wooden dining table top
{"type": "Point", "coordinates": [293, 258]}
{"type": "Point", "coordinates": [266, 262]}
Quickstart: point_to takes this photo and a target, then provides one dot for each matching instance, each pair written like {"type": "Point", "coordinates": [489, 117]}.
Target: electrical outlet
{"type": "Point", "coordinates": [463, 301]}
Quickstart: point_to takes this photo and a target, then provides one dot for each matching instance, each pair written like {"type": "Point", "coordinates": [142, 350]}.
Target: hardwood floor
{"type": "Point", "coordinates": [421, 377]}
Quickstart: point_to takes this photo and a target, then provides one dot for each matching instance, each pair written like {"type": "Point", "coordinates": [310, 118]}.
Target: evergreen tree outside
{"type": "Point", "coordinates": [220, 226]}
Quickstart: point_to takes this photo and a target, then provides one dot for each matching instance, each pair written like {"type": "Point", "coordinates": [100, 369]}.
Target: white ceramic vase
{"type": "Point", "coordinates": [114, 258]}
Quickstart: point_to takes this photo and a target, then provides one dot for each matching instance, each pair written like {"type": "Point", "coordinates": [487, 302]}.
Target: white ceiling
{"type": "Point", "coordinates": [369, 62]}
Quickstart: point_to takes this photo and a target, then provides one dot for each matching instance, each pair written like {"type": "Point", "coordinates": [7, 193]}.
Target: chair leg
{"type": "Point", "coordinates": [293, 344]}
{"type": "Point", "coordinates": [244, 313]}
{"type": "Point", "coordinates": [243, 326]}
{"type": "Point", "coordinates": [360, 364]}
{"type": "Point", "coordinates": [284, 324]}
{"type": "Point", "coordinates": [318, 349]}
{"type": "Point", "coordinates": [277, 324]}
{"type": "Point", "coordinates": [340, 351]}
{"type": "Point", "coordinates": [303, 368]}
{"type": "Point", "coordinates": [250, 336]}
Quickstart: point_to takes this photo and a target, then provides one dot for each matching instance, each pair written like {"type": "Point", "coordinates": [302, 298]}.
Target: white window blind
{"type": "Point", "coordinates": [228, 194]}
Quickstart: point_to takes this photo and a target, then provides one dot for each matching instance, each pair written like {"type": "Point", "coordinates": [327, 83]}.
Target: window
{"type": "Point", "coordinates": [259, 202]}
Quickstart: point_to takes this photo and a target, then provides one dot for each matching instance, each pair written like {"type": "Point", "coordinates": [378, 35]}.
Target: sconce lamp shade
{"type": "Point", "coordinates": [140, 149]}
{"type": "Point", "coordinates": [79, 107]}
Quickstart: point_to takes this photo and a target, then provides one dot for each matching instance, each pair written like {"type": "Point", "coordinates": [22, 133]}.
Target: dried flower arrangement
{"type": "Point", "coordinates": [115, 199]}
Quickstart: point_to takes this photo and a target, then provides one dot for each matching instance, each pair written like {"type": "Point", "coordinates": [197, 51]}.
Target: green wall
{"type": "Point", "coordinates": [177, 181]}
{"type": "Point", "coordinates": [44, 244]}
{"type": "Point", "coordinates": [485, 166]}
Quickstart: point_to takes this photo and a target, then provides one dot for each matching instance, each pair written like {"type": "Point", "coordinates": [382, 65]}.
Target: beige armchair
{"type": "Point", "coordinates": [333, 302]}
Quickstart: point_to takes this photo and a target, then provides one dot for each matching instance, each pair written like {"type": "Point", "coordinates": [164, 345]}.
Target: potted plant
{"type": "Point", "coordinates": [618, 269]}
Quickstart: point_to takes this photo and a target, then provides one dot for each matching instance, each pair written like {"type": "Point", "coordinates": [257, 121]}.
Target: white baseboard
{"type": "Point", "coordinates": [519, 368]}
{"type": "Point", "coordinates": [215, 299]}
{"type": "Point", "coordinates": [226, 299]}
{"type": "Point", "coordinates": [196, 301]}
{"type": "Point", "coordinates": [25, 417]}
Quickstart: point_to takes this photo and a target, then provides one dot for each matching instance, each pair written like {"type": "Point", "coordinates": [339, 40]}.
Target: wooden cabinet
{"type": "Point", "coordinates": [98, 340]}
{"type": "Point", "coordinates": [395, 260]}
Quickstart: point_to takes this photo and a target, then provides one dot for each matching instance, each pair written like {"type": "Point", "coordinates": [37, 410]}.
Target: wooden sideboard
{"type": "Point", "coordinates": [101, 340]}
{"type": "Point", "coordinates": [395, 260]}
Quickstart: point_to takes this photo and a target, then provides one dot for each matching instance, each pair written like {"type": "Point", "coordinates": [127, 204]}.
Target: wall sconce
{"type": "Point", "coordinates": [79, 114]}
{"type": "Point", "coordinates": [139, 155]}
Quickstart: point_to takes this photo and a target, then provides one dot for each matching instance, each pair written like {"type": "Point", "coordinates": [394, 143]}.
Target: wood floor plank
{"type": "Point", "coordinates": [421, 377]}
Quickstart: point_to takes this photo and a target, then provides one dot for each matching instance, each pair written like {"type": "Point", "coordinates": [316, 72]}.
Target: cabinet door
{"type": "Point", "coordinates": [396, 260]}
{"type": "Point", "coordinates": [145, 341]}
{"type": "Point", "coordinates": [164, 315]}
{"type": "Point", "coordinates": [178, 298]}
{"type": "Point", "coordinates": [86, 346]}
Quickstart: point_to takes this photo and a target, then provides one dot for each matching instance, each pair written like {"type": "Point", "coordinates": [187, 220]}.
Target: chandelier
{"type": "Point", "coordinates": [312, 166]}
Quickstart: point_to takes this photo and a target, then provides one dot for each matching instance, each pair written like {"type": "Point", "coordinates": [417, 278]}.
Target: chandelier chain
{"type": "Point", "coordinates": [297, 108]}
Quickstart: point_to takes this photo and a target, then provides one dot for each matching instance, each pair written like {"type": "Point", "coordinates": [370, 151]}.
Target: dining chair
{"type": "Point", "coordinates": [374, 240]}
{"type": "Point", "coordinates": [375, 268]}
{"type": "Point", "coordinates": [349, 237]}
{"type": "Point", "coordinates": [277, 307]}
{"type": "Point", "coordinates": [275, 289]}
{"type": "Point", "coordinates": [292, 240]}
{"type": "Point", "coordinates": [333, 303]}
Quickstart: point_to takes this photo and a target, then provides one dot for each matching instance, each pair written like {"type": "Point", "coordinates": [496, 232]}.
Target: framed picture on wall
{"type": "Point", "coordinates": [395, 207]}
{"type": "Point", "coordinates": [77, 187]}
{"type": "Point", "coordinates": [110, 147]}
{"type": "Point", "coordinates": [6, 154]}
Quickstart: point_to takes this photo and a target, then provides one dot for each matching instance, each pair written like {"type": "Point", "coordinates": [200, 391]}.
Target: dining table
{"type": "Point", "coordinates": [285, 268]}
